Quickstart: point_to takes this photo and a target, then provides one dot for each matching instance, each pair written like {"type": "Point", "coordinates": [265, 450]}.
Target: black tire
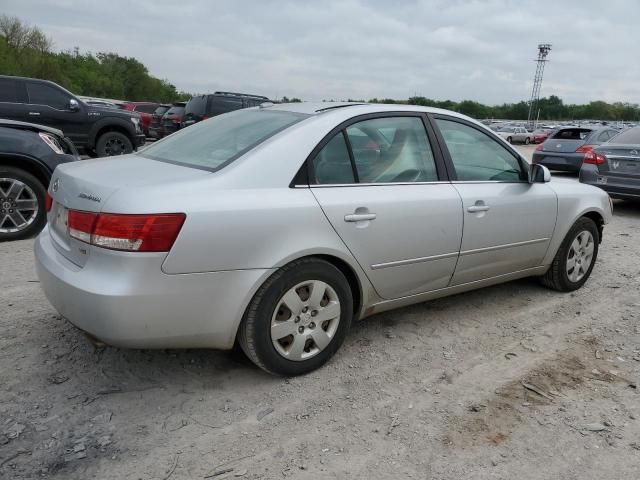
{"type": "Point", "coordinates": [90, 153]}
{"type": "Point", "coordinates": [557, 277]}
{"type": "Point", "coordinates": [527, 141]}
{"type": "Point", "coordinates": [40, 219]}
{"type": "Point", "coordinates": [509, 140]}
{"type": "Point", "coordinates": [113, 143]}
{"type": "Point", "coordinates": [254, 334]}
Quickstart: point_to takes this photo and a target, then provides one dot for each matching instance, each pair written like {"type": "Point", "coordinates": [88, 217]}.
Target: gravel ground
{"type": "Point", "coordinates": [512, 381]}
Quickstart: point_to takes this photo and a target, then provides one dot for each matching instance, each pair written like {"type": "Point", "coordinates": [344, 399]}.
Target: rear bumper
{"type": "Point", "coordinates": [125, 300]}
{"type": "Point", "coordinates": [616, 186]}
{"type": "Point", "coordinates": [567, 162]}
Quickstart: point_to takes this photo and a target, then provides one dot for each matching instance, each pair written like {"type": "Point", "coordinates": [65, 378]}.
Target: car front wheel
{"type": "Point", "coordinates": [22, 204]}
{"type": "Point", "coordinates": [298, 319]}
{"type": "Point", "coordinates": [575, 258]}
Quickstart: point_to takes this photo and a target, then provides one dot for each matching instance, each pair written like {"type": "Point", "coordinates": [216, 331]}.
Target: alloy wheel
{"type": "Point", "coordinates": [114, 146]}
{"type": "Point", "coordinates": [305, 320]}
{"type": "Point", "coordinates": [18, 205]}
{"type": "Point", "coordinates": [580, 256]}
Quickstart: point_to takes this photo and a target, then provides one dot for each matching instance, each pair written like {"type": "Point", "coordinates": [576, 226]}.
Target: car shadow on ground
{"type": "Point", "coordinates": [109, 370]}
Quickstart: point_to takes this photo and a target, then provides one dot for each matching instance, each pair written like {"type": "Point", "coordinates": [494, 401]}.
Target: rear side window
{"type": "Point", "coordinates": [196, 106]}
{"type": "Point", "coordinates": [9, 91]}
{"type": "Point", "coordinates": [628, 137]}
{"type": "Point", "coordinates": [219, 105]}
{"type": "Point", "coordinates": [572, 134]}
{"type": "Point", "coordinates": [478, 157]}
{"type": "Point", "coordinates": [43, 94]}
{"type": "Point", "coordinates": [214, 144]}
{"type": "Point", "coordinates": [332, 164]}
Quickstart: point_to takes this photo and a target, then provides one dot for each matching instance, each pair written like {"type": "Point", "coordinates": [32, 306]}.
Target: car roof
{"type": "Point", "coordinates": [29, 126]}
{"type": "Point", "coordinates": [355, 108]}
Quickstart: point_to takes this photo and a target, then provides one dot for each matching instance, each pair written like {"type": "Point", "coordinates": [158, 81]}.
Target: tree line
{"type": "Point", "coordinates": [26, 51]}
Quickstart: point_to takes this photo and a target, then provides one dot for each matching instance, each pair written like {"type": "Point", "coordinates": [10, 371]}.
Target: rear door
{"type": "Point", "coordinates": [13, 100]}
{"type": "Point", "coordinates": [508, 222]}
{"type": "Point", "coordinates": [384, 190]}
{"type": "Point", "coordinates": [49, 105]}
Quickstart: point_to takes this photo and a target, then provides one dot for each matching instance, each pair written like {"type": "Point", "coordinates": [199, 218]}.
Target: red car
{"type": "Point", "coordinates": [145, 110]}
{"type": "Point", "coordinates": [541, 134]}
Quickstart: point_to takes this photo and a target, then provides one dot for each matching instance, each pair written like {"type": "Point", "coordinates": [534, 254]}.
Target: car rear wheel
{"type": "Point", "coordinates": [113, 143]}
{"type": "Point", "coordinates": [509, 139]}
{"type": "Point", "coordinates": [527, 141]}
{"type": "Point", "coordinates": [575, 258]}
{"type": "Point", "coordinates": [298, 319]}
{"type": "Point", "coordinates": [22, 204]}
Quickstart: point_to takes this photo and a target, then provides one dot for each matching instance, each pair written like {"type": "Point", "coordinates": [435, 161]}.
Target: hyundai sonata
{"type": "Point", "coordinates": [276, 226]}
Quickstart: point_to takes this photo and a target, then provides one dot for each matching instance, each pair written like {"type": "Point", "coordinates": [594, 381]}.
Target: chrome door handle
{"type": "Point", "coordinates": [359, 217]}
{"type": "Point", "coordinates": [478, 208]}
{"type": "Point", "coordinates": [34, 114]}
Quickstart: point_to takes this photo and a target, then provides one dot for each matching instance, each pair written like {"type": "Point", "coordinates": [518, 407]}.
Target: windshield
{"type": "Point", "coordinates": [572, 134]}
{"type": "Point", "coordinates": [215, 143]}
{"type": "Point", "coordinates": [628, 137]}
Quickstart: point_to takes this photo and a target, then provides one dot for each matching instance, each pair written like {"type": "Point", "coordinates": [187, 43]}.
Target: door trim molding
{"type": "Point", "coordinates": [500, 247]}
{"type": "Point", "coordinates": [410, 261]}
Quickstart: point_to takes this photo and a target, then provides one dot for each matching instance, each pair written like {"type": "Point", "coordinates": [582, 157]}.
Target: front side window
{"type": "Point", "coordinates": [43, 94]}
{"type": "Point", "coordinates": [213, 144]}
{"type": "Point", "coordinates": [478, 157]}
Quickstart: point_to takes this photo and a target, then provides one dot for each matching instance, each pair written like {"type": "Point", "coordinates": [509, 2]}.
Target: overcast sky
{"type": "Point", "coordinates": [325, 49]}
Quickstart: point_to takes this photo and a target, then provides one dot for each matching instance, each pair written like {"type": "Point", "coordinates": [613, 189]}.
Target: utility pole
{"type": "Point", "coordinates": [543, 51]}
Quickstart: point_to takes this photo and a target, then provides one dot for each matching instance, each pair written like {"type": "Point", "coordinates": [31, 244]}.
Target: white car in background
{"type": "Point", "coordinates": [515, 135]}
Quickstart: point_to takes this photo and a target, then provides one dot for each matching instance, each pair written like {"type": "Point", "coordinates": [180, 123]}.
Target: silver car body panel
{"type": "Point", "coordinates": [246, 220]}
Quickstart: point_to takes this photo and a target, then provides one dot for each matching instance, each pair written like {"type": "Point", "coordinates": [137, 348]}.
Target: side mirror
{"type": "Point", "coordinates": [539, 174]}
{"type": "Point", "coordinates": [74, 106]}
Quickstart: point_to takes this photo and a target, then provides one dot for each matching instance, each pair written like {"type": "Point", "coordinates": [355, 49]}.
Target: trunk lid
{"type": "Point", "coordinates": [88, 184]}
{"type": "Point", "coordinates": [561, 145]}
{"type": "Point", "coordinates": [621, 159]}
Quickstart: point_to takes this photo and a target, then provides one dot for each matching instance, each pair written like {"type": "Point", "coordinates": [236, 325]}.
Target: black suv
{"type": "Point", "coordinates": [202, 107]}
{"type": "Point", "coordinates": [28, 155]}
{"type": "Point", "coordinates": [97, 130]}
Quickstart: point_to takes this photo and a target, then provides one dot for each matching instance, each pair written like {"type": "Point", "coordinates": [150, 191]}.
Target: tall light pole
{"type": "Point", "coordinates": [543, 51]}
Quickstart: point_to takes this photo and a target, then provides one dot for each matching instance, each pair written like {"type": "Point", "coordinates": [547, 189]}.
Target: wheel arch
{"type": "Point", "coordinates": [29, 165]}
{"type": "Point", "coordinates": [598, 219]}
{"type": "Point", "coordinates": [110, 125]}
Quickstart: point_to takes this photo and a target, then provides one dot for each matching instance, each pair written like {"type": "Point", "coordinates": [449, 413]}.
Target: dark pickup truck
{"type": "Point", "coordinates": [96, 130]}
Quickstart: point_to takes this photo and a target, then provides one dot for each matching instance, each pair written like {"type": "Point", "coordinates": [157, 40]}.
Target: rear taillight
{"type": "Point", "coordinates": [584, 148]}
{"type": "Point", "coordinates": [539, 147]}
{"type": "Point", "coordinates": [135, 233]}
{"type": "Point", "coordinates": [48, 202]}
{"type": "Point", "coordinates": [594, 158]}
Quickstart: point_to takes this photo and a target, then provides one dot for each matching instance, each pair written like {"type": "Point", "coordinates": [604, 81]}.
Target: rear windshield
{"type": "Point", "coordinates": [213, 144]}
{"type": "Point", "coordinates": [572, 134]}
{"type": "Point", "coordinates": [197, 105]}
{"type": "Point", "coordinates": [175, 110]}
{"type": "Point", "coordinates": [160, 110]}
{"type": "Point", "coordinates": [628, 137]}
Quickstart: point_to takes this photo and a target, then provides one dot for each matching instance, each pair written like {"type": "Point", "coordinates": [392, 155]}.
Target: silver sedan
{"type": "Point", "coordinates": [275, 227]}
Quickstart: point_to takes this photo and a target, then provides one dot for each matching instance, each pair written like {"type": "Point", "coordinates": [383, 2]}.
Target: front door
{"type": "Point", "coordinates": [508, 222]}
{"type": "Point", "coordinates": [49, 105]}
{"type": "Point", "coordinates": [377, 182]}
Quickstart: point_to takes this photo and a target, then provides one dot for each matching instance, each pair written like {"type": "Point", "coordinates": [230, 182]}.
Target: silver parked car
{"type": "Point", "coordinates": [516, 135]}
{"type": "Point", "coordinates": [277, 226]}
